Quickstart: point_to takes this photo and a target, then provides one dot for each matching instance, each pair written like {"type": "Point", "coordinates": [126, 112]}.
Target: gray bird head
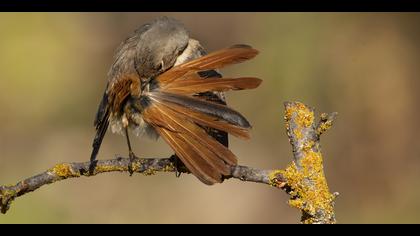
{"type": "Point", "coordinates": [159, 44]}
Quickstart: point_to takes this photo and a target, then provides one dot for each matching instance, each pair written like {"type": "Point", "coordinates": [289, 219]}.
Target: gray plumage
{"type": "Point", "coordinates": [150, 51]}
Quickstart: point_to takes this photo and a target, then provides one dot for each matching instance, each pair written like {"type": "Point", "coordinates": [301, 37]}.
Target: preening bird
{"type": "Point", "coordinates": [163, 83]}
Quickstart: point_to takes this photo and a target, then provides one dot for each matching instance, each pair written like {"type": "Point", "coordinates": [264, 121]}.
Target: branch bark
{"type": "Point", "coordinates": [145, 166]}
{"type": "Point", "coordinates": [305, 175]}
{"type": "Point", "coordinates": [303, 179]}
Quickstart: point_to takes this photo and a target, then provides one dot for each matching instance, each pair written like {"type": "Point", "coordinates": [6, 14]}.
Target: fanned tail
{"type": "Point", "coordinates": [181, 117]}
{"type": "Point", "coordinates": [216, 110]}
{"type": "Point", "coordinates": [202, 154]}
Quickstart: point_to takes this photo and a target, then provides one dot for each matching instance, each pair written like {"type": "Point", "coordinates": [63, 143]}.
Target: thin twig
{"type": "Point", "coordinates": [146, 166]}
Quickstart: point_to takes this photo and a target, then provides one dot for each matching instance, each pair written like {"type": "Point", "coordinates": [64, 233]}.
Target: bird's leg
{"type": "Point", "coordinates": [130, 153]}
{"type": "Point", "coordinates": [177, 172]}
{"type": "Point", "coordinates": [179, 166]}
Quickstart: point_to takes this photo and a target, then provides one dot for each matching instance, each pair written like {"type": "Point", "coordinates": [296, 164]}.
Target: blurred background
{"type": "Point", "coordinates": [53, 70]}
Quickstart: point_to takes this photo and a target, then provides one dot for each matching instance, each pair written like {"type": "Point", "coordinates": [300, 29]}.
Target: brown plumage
{"type": "Point", "coordinates": [216, 60]}
{"type": "Point", "coordinates": [171, 104]}
{"type": "Point", "coordinates": [198, 85]}
{"type": "Point", "coordinates": [176, 114]}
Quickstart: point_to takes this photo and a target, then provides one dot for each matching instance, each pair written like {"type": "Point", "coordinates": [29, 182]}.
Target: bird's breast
{"type": "Point", "coordinates": [132, 118]}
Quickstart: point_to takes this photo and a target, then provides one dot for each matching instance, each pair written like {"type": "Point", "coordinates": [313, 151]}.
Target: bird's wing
{"type": "Point", "coordinates": [118, 87]}
{"type": "Point", "coordinates": [117, 90]}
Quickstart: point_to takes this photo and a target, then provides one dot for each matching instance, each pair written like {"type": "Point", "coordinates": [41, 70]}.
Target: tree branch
{"type": "Point", "coordinates": [145, 166]}
{"type": "Point", "coordinates": [303, 179]}
{"type": "Point", "coordinates": [305, 175]}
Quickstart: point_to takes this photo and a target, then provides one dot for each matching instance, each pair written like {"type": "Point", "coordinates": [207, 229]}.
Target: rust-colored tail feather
{"type": "Point", "coordinates": [210, 108]}
{"type": "Point", "coordinates": [209, 121]}
{"type": "Point", "coordinates": [199, 85]}
{"type": "Point", "coordinates": [204, 156]}
{"type": "Point", "coordinates": [190, 158]}
{"type": "Point", "coordinates": [176, 123]}
{"type": "Point", "coordinates": [216, 60]}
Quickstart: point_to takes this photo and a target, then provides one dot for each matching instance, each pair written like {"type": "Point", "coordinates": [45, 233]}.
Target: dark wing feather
{"type": "Point", "coordinates": [210, 108]}
{"type": "Point", "coordinates": [101, 124]}
{"type": "Point", "coordinates": [206, 120]}
{"type": "Point", "coordinates": [100, 133]}
{"type": "Point", "coordinates": [115, 94]}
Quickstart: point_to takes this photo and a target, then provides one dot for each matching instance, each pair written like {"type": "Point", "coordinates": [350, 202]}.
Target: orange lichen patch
{"type": "Point", "coordinates": [310, 191]}
{"type": "Point", "coordinates": [6, 194]}
{"type": "Point", "coordinates": [136, 166]}
{"type": "Point", "coordinates": [298, 133]}
{"type": "Point", "coordinates": [149, 171]}
{"type": "Point", "coordinates": [64, 170]}
{"type": "Point", "coordinates": [6, 198]}
{"type": "Point", "coordinates": [324, 126]}
{"type": "Point", "coordinates": [109, 168]}
{"type": "Point", "coordinates": [169, 168]}
{"type": "Point", "coordinates": [307, 146]}
{"type": "Point", "coordinates": [304, 116]}
{"type": "Point", "coordinates": [274, 179]}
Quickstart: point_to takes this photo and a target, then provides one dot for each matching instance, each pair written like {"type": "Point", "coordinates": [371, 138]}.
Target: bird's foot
{"type": "Point", "coordinates": [179, 166]}
{"type": "Point", "coordinates": [131, 164]}
{"type": "Point", "coordinates": [92, 167]}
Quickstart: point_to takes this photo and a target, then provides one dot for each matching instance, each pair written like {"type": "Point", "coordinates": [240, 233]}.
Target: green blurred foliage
{"type": "Point", "coordinates": [53, 70]}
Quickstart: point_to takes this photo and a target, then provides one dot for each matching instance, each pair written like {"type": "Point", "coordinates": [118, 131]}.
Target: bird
{"type": "Point", "coordinates": [163, 83]}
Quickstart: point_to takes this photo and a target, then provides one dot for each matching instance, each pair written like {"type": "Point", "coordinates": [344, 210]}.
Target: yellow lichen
{"type": "Point", "coordinates": [8, 193]}
{"type": "Point", "coordinates": [298, 203]}
{"type": "Point", "coordinates": [273, 179]}
{"type": "Point", "coordinates": [6, 198]}
{"type": "Point", "coordinates": [308, 146]}
{"type": "Point", "coordinates": [8, 185]}
{"type": "Point", "coordinates": [310, 190]}
{"type": "Point", "coordinates": [308, 220]}
{"type": "Point", "coordinates": [288, 114]}
{"type": "Point", "coordinates": [298, 133]}
{"type": "Point", "coordinates": [150, 171]}
{"type": "Point", "coordinates": [168, 168]}
{"type": "Point", "coordinates": [324, 126]}
{"type": "Point", "coordinates": [109, 168]}
{"type": "Point", "coordinates": [304, 116]}
{"type": "Point", "coordinates": [64, 170]}
{"type": "Point", "coordinates": [135, 166]}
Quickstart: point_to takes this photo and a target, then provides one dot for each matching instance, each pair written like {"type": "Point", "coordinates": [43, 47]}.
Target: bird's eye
{"type": "Point", "coordinates": [159, 66]}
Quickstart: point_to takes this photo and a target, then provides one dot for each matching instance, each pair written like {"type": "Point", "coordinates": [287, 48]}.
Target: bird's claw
{"type": "Point", "coordinates": [178, 166]}
{"type": "Point", "coordinates": [131, 164]}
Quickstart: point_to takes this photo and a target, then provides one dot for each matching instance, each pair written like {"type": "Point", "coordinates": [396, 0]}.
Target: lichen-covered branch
{"type": "Point", "coordinates": [145, 166]}
{"type": "Point", "coordinates": [305, 175]}
{"type": "Point", "coordinates": [303, 179]}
